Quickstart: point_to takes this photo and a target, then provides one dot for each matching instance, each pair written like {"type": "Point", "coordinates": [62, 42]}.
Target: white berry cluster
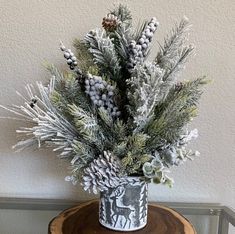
{"type": "Point", "coordinates": [101, 94]}
{"type": "Point", "coordinates": [71, 59]}
{"type": "Point", "coordinates": [138, 50]}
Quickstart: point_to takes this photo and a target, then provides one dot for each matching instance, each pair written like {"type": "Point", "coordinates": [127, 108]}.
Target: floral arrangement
{"type": "Point", "coordinates": [114, 113]}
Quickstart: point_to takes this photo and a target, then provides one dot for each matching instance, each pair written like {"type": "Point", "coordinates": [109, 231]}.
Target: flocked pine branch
{"type": "Point", "coordinates": [178, 109]}
{"type": "Point", "coordinates": [173, 44]}
{"type": "Point", "coordinates": [118, 26]}
{"type": "Point", "coordinates": [145, 91]}
{"type": "Point", "coordinates": [133, 153]}
{"type": "Point", "coordinates": [66, 91]}
{"type": "Point", "coordinates": [181, 146]}
{"type": "Point", "coordinates": [115, 130]}
{"type": "Point", "coordinates": [169, 125]}
{"type": "Point", "coordinates": [123, 14]}
{"type": "Point", "coordinates": [103, 51]}
{"type": "Point", "coordinates": [48, 126]}
{"type": "Point", "coordinates": [85, 60]}
{"type": "Point", "coordinates": [187, 94]}
{"type": "Point", "coordinates": [173, 54]}
{"type": "Point", "coordinates": [175, 154]}
{"type": "Point", "coordinates": [87, 126]}
{"type": "Point", "coordinates": [124, 37]}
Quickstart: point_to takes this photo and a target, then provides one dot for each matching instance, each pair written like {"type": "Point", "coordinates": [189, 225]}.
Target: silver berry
{"type": "Point", "coordinates": [95, 102]}
{"type": "Point", "coordinates": [69, 61]}
{"type": "Point", "coordinates": [104, 96]}
{"type": "Point", "coordinates": [97, 85]}
{"type": "Point", "coordinates": [74, 58]}
{"type": "Point", "coordinates": [101, 103]}
{"type": "Point", "coordinates": [66, 55]}
{"type": "Point", "coordinates": [144, 46]}
{"type": "Point", "coordinates": [118, 113]}
{"type": "Point", "coordinates": [141, 40]}
{"type": "Point", "coordinates": [110, 93]}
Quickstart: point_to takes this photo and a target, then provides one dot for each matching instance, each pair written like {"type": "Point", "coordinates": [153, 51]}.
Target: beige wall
{"type": "Point", "coordinates": [29, 33]}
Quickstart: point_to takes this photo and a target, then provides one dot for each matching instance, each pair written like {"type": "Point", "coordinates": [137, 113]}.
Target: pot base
{"type": "Point", "coordinates": [84, 219]}
{"type": "Point", "coordinates": [121, 229]}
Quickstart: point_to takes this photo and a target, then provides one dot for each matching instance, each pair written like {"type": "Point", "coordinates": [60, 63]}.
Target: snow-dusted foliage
{"type": "Point", "coordinates": [114, 113]}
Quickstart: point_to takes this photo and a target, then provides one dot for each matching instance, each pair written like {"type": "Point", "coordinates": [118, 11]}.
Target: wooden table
{"type": "Point", "coordinates": [83, 219]}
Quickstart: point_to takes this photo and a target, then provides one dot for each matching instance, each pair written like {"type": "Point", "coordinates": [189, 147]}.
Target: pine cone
{"type": "Point", "coordinates": [103, 173]}
{"type": "Point", "coordinates": [110, 22]}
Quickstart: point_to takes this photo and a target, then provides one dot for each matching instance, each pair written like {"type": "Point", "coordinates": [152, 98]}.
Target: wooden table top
{"type": "Point", "coordinates": [84, 219]}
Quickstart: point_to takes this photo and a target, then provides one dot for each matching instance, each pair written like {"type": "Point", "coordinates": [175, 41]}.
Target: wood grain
{"type": "Point", "coordinates": [83, 219]}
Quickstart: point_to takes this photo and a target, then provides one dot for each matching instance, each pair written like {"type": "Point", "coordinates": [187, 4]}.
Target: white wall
{"type": "Point", "coordinates": [29, 33]}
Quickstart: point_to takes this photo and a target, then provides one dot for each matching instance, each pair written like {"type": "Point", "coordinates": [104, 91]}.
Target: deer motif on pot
{"type": "Point", "coordinates": [120, 210]}
{"type": "Point", "coordinates": [124, 208]}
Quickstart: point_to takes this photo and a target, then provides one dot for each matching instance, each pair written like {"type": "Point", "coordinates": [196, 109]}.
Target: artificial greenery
{"type": "Point", "coordinates": [115, 106]}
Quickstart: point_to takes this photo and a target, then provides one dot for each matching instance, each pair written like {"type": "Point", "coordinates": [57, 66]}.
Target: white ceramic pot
{"type": "Point", "coordinates": [125, 207]}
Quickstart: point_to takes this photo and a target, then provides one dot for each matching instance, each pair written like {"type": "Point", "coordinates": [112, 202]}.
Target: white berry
{"type": "Point", "coordinates": [66, 55]}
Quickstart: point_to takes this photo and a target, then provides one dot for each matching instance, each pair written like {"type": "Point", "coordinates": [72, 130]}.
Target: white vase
{"type": "Point", "coordinates": [125, 207]}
